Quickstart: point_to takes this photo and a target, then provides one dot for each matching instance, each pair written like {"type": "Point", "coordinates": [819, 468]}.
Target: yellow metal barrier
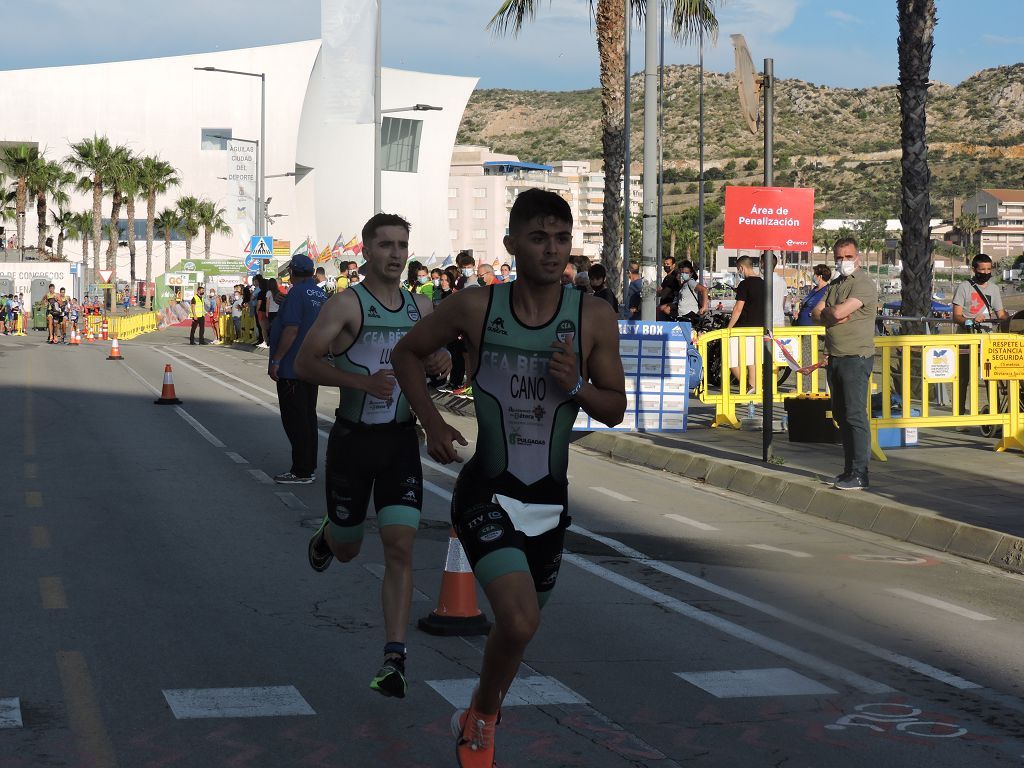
{"type": "Point", "coordinates": [805, 345]}
{"type": "Point", "coordinates": [123, 327]}
{"type": "Point", "coordinates": [899, 357]}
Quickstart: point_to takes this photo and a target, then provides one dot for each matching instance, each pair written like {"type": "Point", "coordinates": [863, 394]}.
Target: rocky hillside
{"type": "Point", "coordinates": [843, 142]}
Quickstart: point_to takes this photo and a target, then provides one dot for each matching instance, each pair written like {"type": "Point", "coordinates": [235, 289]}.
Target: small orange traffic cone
{"type": "Point", "coordinates": [89, 337]}
{"type": "Point", "coordinates": [167, 396]}
{"type": "Point", "coordinates": [75, 338]}
{"type": "Point", "coordinates": [115, 350]}
{"type": "Point", "coordinates": [457, 612]}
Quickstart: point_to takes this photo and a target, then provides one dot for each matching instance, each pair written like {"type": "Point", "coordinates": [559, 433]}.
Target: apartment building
{"type": "Point", "coordinates": [1000, 214]}
{"type": "Point", "coordinates": [483, 185]}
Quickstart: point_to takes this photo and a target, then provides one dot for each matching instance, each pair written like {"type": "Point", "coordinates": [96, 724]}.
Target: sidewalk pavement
{"type": "Point", "coordinates": [952, 492]}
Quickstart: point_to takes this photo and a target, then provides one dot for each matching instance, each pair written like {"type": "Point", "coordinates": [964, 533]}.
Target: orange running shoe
{"type": "Point", "coordinates": [474, 732]}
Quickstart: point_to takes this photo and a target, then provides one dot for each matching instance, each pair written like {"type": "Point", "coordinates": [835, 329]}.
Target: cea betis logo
{"type": "Point", "coordinates": [566, 331]}
{"type": "Point", "coordinates": [497, 325]}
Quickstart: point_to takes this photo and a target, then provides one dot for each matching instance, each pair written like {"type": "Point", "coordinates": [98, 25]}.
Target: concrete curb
{"type": "Point", "coordinates": [858, 510]}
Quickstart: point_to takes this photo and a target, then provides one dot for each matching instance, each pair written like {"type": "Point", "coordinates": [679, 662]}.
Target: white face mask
{"type": "Point", "coordinates": [469, 272]}
{"type": "Point", "coordinates": [437, 282]}
{"type": "Point", "coordinates": [846, 267]}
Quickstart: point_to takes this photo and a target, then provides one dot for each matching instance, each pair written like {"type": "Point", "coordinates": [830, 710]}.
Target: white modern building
{"type": "Point", "coordinates": [320, 173]}
{"type": "Point", "coordinates": [483, 186]}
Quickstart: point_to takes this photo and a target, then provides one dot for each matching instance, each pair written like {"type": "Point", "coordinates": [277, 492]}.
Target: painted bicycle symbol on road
{"type": "Point", "coordinates": [883, 718]}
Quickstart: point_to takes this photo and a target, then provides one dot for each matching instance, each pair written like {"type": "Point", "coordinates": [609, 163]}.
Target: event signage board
{"type": "Point", "coordinates": [655, 364]}
{"type": "Point", "coordinates": [1002, 357]}
{"type": "Point", "coordinates": [940, 364]}
{"type": "Point", "coordinates": [769, 218]}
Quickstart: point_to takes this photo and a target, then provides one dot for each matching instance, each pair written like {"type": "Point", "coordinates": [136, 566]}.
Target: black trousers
{"type": "Point", "coordinates": [849, 379]}
{"type": "Point", "coordinates": [200, 323]}
{"type": "Point", "coordinates": [298, 415]}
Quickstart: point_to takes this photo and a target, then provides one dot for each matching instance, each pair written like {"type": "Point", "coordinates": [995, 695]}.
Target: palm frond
{"type": "Point", "coordinates": [695, 19]}
{"type": "Point", "coordinates": [512, 15]}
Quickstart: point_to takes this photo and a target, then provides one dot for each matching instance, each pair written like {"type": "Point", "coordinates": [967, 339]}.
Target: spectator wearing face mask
{"type": "Point", "coordinates": [977, 306]}
{"type": "Point", "coordinates": [467, 268]}
{"type": "Point", "coordinates": [598, 276]}
{"type": "Point", "coordinates": [485, 275]}
{"type": "Point", "coordinates": [424, 285]}
{"type": "Point", "coordinates": [691, 296]}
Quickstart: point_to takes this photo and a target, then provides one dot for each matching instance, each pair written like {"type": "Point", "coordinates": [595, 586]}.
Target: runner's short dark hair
{"type": "Point", "coordinates": [981, 258]}
{"type": "Point", "coordinates": [465, 259]}
{"type": "Point", "coordinates": [538, 202]}
{"type": "Point", "coordinates": [382, 220]}
{"type": "Point", "coordinates": [597, 272]}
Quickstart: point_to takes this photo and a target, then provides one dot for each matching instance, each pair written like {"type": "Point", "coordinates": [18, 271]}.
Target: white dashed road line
{"type": "Point", "coordinates": [613, 494]}
{"type": "Point", "coordinates": [259, 476]}
{"type": "Point", "coordinates": [272, 701]}
{"type": "Point", "coordinates": [10, 713]}
{"type": "Point", "coordinates": [290, 500]}
{"type": "Point", "coordinates": [934, 602]}
{"type": "Point", "coordinates": [693, 523]}
{"type": "Point", "coordinates": [770, 548]}
{"type": "Point", "coordinates": [237, 458]}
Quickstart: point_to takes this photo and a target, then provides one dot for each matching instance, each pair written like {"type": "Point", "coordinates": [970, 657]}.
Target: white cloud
{"type": "Point", "coordinates": [769, 17]}
{"type": "Point", "coordinates": [1002, 40]}
{"type": "Point", "coordinates": [844, 17]}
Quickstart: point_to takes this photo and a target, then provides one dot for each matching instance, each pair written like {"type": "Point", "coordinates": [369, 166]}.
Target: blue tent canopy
{"type": "Point", "coordinates": [937, 306]}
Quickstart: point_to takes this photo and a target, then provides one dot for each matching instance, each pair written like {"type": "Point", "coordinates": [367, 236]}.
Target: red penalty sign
{"type": "Point", "coordinates": [769, 218]}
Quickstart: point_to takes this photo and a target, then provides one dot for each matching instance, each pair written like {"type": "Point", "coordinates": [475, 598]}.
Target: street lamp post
{"type": "Point", "coordinates": [261, 193]}
{"type": "Point", "coordinates": [377, 122]}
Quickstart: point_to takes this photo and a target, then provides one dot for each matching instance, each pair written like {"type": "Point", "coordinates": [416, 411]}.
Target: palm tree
{"type": "Point", "coordinates": [131, 189]}
{"type": "Point", "coordinates": [155, 178]}
{"type": "Point", "coordinates": [81, 229]}
{"type": "Point", "coordinates": [968, 225]}
{"type": "Point", "coordinates": [914, 48]}
{"type": "Point", "coordinates": [211, 219]}
{"type": "Point", "coordinates": [61, 218]}
{"type": "Point", "coordinates": [20, 160]}
{"type": "Point", "coordinates": [40, 178]}
{"type": "Point", "coordinates": [166, 224]}
{"type": "Point", "coordinates": [690, 19]}
{"type": "Point", "coordinates": [91, 158]}
{"type": "Point", "coordinates": [188, 221]}
{"type": "Point", "coordinates": [119, 172]}
{"type": "Point", "coordinates": [7, 196]}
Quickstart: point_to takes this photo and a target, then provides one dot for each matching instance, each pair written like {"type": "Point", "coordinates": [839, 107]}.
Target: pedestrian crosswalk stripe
{"type": "Point", "coordinates": [270, 701]}
{"type": "Point", "coordinates": [536, 690]}
{"type": "Point", "coordinates": [10, 713]}
{"type": "Point", "coordinates": [752, 683]}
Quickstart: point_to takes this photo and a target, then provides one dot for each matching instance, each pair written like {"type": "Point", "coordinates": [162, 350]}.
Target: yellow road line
{"type": "Point", "coordinates": [51, 590]}
{"type": "Point", "coordinates": [40, 537]}
{"type": "Point", "coordinates": [94, 745]}
{"type": "Point", "coordinates": [33, 499]}
{"type": "Point", "coordinates": [31, 471]}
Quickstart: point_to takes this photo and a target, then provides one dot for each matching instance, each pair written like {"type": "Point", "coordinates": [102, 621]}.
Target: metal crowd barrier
{"type": "Point", "coordinates": [226, 326]}
{"type": "Point", "coordinates": [898, 364]}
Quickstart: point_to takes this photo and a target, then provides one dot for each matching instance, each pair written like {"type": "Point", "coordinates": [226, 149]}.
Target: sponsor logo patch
{"type": "Point", "coordinates": [414, 313]}
{"type": "Point", "coordinates": [566, 331]}
{"type": "Point", "coordinates": [490, 533]}
{"type": "Point", "coordinates": [372, 312]}
{"type": "Point", "coordinates": [497, 325]}
{"type": "Point", "coordinates": [409, 496]}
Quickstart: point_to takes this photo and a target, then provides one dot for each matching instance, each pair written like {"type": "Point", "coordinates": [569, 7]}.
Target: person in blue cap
{"type": "Point", "coordinates": [297, 398]}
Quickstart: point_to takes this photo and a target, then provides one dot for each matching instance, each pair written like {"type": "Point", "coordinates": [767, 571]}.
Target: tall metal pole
{"type": "Point", "coordinates": [377, 118]}
{"type": "Point", "coordinates": [661, 143]}
{"type": "Point", "coordinates": [768, 366]}
{"type": "Point", "coordinates": [261, 209]}
{"type": "Point", "coordinates": [650, 216]}
{"type": "Point", "coordinates": [700, 143]}
{"type": "Point", "coordinates": [628, 15]}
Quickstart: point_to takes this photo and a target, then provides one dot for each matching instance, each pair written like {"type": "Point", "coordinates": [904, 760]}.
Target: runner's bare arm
{"type": "Point", "coordinates": [603, 391]}
{"type": "Point", "coordinates": [439, 364]}
{"type": "Point", "coordinates": [452, 317]}
{"type": "Point", "coordinates": [340, 313]}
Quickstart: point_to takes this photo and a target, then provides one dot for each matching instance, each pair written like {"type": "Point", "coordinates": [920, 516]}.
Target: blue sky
{"type": "Point", "coordinates": [841, 43]}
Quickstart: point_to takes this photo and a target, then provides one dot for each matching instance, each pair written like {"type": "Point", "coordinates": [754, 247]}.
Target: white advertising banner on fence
{"type": "Point", "coordinates": [348, 30]}
{"type": "Point", "coordinates": [241, 196]}
{"type": "Point", "coordinates": [23, 273]}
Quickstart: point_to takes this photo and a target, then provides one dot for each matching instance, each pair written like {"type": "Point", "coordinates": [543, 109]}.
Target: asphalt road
{"type": "Point", "coordinates": [157, 609]}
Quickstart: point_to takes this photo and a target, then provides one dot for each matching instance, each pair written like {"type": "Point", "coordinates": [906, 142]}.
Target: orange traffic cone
{"type": "Point", "coordinates": [115, 350]}
{"type": "Point", "coordinates": [75, 338]}
{"type": "Point", "coordinates": [167, 396]}
{"type": "Point", "coordinates": [457, 612]}
{"type": "Point", "coordinates": [89, 337]}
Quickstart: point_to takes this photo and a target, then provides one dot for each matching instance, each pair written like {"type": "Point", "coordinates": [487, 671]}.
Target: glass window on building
{"type": "Point", "coordinates": [214, 138]}
{"type": "Point", "coordinates": [400, 144]}
{"type": "Point", "coordinates": [453, 213]}
{"type": "Point", "coordinates": [479, 213]}
{"type": "Point", "coordinates": [479, 191]}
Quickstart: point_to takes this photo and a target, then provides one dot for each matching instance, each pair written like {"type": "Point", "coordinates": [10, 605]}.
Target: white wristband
{"type": "Point", "coordinates": [576, 390]}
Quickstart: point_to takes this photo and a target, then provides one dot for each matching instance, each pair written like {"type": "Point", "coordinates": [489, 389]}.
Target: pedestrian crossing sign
{"type": "Point", "coordinates": [261, 246]}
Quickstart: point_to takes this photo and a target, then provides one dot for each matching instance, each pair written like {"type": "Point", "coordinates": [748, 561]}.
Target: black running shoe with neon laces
{"type": "Point", "coordinates": [390, 678]}
{"type": "Point", "coordinates": [320, 554]}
